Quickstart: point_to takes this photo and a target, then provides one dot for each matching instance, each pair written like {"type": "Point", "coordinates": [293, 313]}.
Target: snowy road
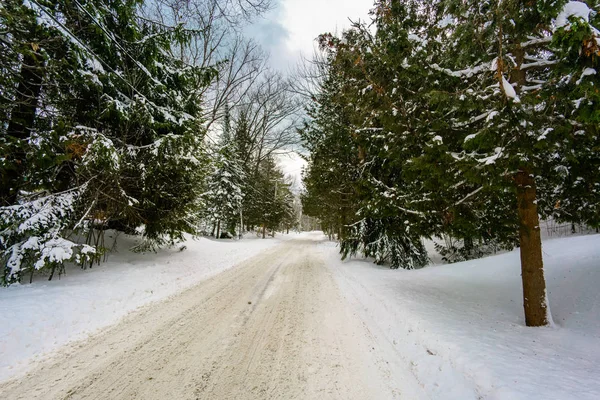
{"type": "Point", "coordinates": [276, 326]}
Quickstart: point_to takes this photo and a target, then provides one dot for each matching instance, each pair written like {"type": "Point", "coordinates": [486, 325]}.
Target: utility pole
{"type": "Point", "coordinates": [273, 231]}
{"type": "Point", "coordinates": [241, 223]}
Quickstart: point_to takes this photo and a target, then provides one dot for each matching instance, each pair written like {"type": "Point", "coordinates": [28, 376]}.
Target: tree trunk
{"type": "Point", "coordinates": [52, 271]}
{"type": "Point", "coordinates": [535, 300]}
{"type": "Point", "coordinates": [264, 228]}
{"type": "Point", "coordinates": [469, 245]}
{"type": "Point", "coordinates": [343, 223]}
{"type": "Point", "coordinates": [218, 229]}
{"type": "Point", "coordinates": [20, 125]}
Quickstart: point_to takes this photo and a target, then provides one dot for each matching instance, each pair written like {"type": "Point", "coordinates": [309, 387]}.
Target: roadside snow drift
{"type": "Point", "coordinates": [461, 327]}
{"type": "Point", "coordinates": [38, 318]}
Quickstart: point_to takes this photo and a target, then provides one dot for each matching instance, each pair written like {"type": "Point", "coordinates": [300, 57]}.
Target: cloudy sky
{"type": "Point", "coordinates": [290, 29]}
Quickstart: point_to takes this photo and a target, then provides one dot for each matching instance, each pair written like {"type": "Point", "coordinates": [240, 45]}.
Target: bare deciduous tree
{"type": "Point", "coordinates": [216, 42]}
{"type": "Point", "coordinates": [309, 76]}
{"type": "Point", "coordinates": [270, 110]}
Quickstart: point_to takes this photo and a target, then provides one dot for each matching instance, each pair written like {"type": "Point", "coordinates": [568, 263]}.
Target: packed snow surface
{"type": "Point", "coordinates": [38, 318]}
{"type": "Point", "coordinates": [274, 327]}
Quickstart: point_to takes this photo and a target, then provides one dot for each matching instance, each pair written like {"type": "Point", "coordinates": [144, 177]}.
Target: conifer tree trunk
{"type": "Point", "coordinates": [218, 229]}
{"type": "Point", "coordinates": [343, 223]}
{"type": "Point", "coordinates": [264, 228]}
{"type": "Point", "coordinates": [21, 123]}
{"type": "Point", "coordinates": [535, 300]}
{"type": "Point", "coordinates": [469, 246]}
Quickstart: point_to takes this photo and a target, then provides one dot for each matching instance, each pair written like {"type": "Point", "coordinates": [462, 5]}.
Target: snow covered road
{"type": "Point", "coordinates": [275, 326]}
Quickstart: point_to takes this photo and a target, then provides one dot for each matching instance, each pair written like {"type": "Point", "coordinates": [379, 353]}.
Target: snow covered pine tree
{"type": "Point", "coordinates": [100, 129]}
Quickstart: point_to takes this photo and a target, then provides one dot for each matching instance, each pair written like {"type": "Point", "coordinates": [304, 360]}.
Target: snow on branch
{"type": "Point", "coordinates": [586, 72]}
{"type": "Point", "coordinates": [31, 234]}
{"type": "Point", "coordinates": [473, 193]}
{"type": "Point", "coordinates": [390, 193]}
{"type": "Point", "coordinates": [467, 73]}
{"type": "Point", "coordinates": [575, 9]}
{"type": "Point", "coordinates": [535, 42]}
{"type": "Point", "coordinates": [473, 119]}
{"type": "Point", "coordinates": [509, 90]}
{"type": "Point", "coordinates": [538, 64]}
{"type": "Point", "coordinates": [530, 88]}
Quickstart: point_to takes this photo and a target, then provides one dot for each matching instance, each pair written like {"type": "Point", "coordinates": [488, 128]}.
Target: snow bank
{"type": "Point", "coordinates": [461, 329]}
{"type": "Point", "coordinates": [38, 318]}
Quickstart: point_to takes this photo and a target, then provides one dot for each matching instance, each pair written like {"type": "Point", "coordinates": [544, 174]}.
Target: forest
{"type": "Point", "coordinates": [463, 120]}
{"type": "Point", "coordinates": [154, 118]}
{"type": "Point", "coordinates": [466, 120]}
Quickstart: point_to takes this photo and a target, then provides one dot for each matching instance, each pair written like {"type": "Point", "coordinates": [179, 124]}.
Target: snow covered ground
{"type": "Point", "coordinates": [461, 327]}
{"type": "Point", "coordinates": [38, 318]}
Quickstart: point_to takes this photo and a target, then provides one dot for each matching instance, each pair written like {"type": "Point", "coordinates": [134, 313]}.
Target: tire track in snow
{"type": "Point", "coordinates": [274, 327]}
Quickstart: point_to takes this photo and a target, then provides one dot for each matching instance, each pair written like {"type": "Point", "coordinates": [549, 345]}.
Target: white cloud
{"type": "Point", "coordinates": [290, 29]}
{"type": "Point", "coordinates": [306, 19]}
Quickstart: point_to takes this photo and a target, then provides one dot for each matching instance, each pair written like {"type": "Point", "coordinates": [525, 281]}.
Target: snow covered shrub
{"type": "Point", "coordinates": [385, 241]}
{"type": "Point", "coordinates": [32, 236]}
{"type": "Point", "coordinates": [456, 250]}
{"type": "Point", "coordinates": [224, 192]}
{"type": "Point", "coordinates": [170, 176]}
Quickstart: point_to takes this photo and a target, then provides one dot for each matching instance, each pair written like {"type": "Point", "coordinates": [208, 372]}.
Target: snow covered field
{"type": "Point", "coordinates": [38, 318]}
{"type": "Point", "coordinates": [461, 327]}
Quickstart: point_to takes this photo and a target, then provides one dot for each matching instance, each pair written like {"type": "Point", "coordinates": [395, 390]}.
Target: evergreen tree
{"type": "Point", "coordinates": [375, 96]}
{"type": "Point", "coordinates": [269, 199]}
{"type": "Point", "coordinates": [466, 120]}
{"type": "Point", "coordinates": [99, 127]}
{"type": "Point", "coordinates": [332, 165]}
{"type": "Point", "coordinates": [519, 133]}
{"type": "Point", "coordinates": [224, 196]}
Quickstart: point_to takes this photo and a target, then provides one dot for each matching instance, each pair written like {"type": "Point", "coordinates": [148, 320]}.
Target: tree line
{"type": "Point", "coordinates": [156, 118]}
{"type": "Point", "coordinates": [467, 120]}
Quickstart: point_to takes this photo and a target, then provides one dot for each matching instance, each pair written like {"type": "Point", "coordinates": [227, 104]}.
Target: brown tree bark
{"type": "Point", "coordinates": [535, 300]}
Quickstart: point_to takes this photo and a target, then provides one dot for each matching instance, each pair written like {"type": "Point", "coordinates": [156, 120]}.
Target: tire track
{"type": "Point", "coordinates": [274, 327]}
